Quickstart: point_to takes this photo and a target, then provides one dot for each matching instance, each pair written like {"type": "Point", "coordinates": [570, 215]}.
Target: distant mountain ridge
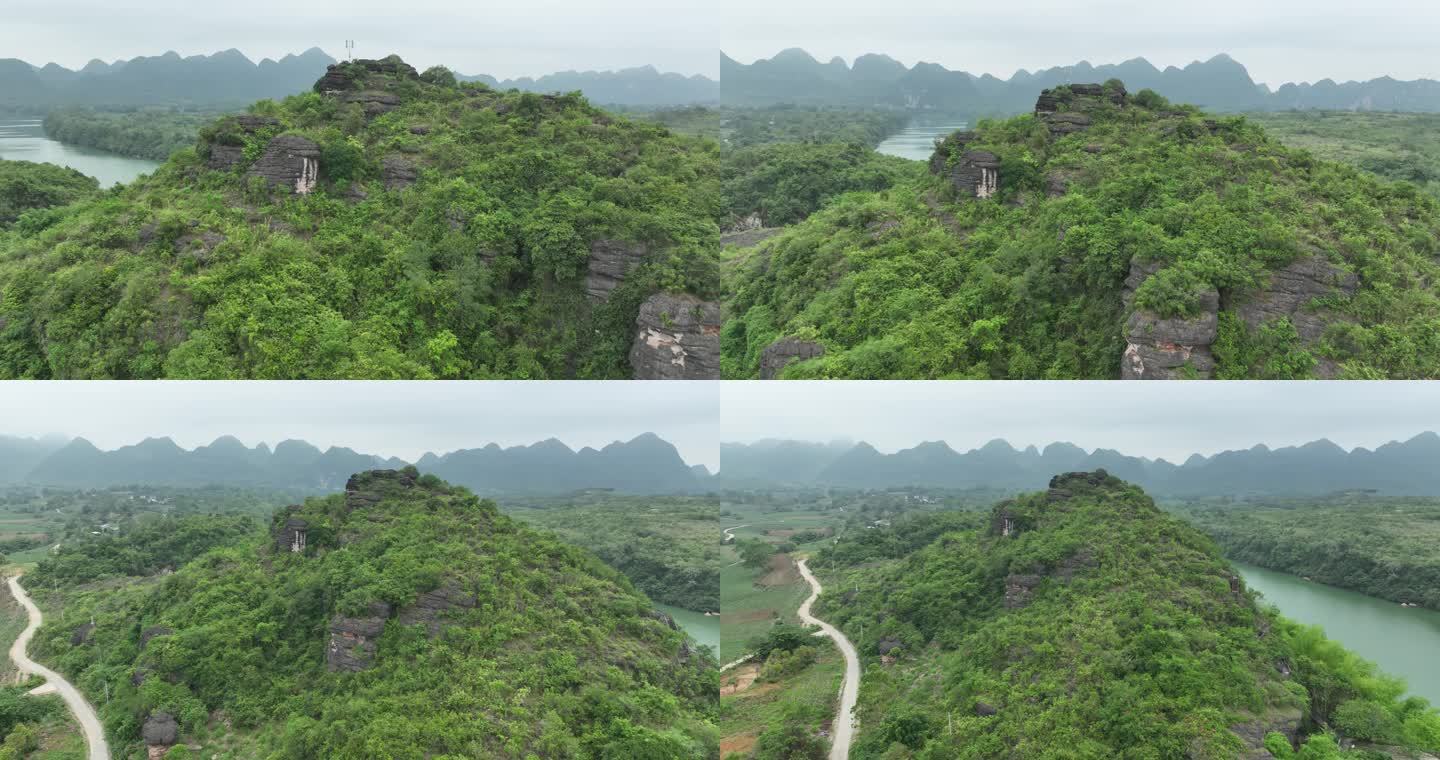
{"type": "Point", "coordinates": [645, 464]}
{"type": "Point", "coordinates": [874, 80]}
{"type": "Point", "coordinates": [1408, 468]}
{"type": "Point", "coordinates": [230, 80]}
{"type": "Point", "coordinates": [638, 86]}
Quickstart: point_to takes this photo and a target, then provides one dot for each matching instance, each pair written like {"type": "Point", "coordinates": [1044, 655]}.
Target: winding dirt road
{"type": "Point", "coordinates": [844, 726]}
{"type": "Point", "coordinates": [83, 712]}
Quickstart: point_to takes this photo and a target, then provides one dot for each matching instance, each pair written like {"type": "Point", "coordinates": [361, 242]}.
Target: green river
{"type": "Point", "coordinates": [1403, 641]}
{"type": "Point", "coordinates": [705, 630]}
{"type": "Point", "coordinates": [25, 140]}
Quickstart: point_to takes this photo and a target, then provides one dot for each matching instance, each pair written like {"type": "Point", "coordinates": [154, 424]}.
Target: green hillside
{"type": "Point", "coordinates": [1083, 622]}
{"type": "Point", "coordinates": [404, 618]}
{"type": "Point", "coordinates": [1103, 236]}
{"type": "Point", "coordinates": [387, 224]}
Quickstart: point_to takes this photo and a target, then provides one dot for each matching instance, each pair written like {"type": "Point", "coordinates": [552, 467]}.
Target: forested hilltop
{"type": "Point", "coordinates": [1102, 236]}
{"type": "Point", "coordinates": [402, 618]}
{"type": "Point", "coordinates": [387, 224]}
{"type": "Point", "coordinates": [1082, 622]}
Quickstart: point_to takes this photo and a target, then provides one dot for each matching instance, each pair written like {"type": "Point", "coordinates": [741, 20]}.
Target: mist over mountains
{"type": "Point", "coordinates": [876, 80]}
{"type": "Point", "coordinates": [230, 80]}
{"type": "Point", "coordinates": [1409, 468]}
{"type": "Point", "coordinates": [645, 464]}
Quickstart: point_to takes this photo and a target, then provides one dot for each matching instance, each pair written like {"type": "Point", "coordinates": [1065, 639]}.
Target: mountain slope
{"type": "Point", "coordinates": [1100, 237]}
{"type": "Point", "coordinates": [403, 618]}
{"type": "Point", "coordinates": [383, 225]}
{"type": "Point", "coordinates": [1082, 622]}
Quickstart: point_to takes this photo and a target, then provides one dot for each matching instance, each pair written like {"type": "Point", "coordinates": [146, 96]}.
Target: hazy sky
{"type": "Point", "coordinates": [391, 419]}
{"type": "Point", "coordinates": [504, 39]}
{"type": "Point", "coordinates": [1170, 420]}
{"type": "Point", "coordinates": [1278, 40]}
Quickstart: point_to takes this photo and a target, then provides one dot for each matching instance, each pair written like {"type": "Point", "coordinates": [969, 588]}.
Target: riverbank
{"type": "Point", "coordinates": [1401, 640]}
{"type": "Point", "coordinates": [25, 140]}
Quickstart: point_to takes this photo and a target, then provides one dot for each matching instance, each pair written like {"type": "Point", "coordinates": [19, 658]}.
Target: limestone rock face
{"type": "Point", "coordinates": [352, 639]}
{"type": "Point", "coordinates": [290, 162]}
{"type": "Point", "coordinates": [1290, 294]}
{"type": "Point", "coordinates": [154, 631]}
{"type": "Point", "coordinates": [610, 261]}
{"type": "Point", "coordinates": [1019, 589]}
{"type": "Point", "coordinates": [160, 730]}
{"type": "Point", "coordinates": [1159, 348]}
{"type": "Point", "coordinates": [976, 174]}
{"type": "Point", "coordinates": [954, 143]}
{"type": "Point", "coordinates": [375, 102]}
{"type": "Point", "coordinates": [677, 338]}
{"type": "Point", "coordinates": [430, 607]}
{"type": "Point", "coordinates": [1252, 733]}
{"type": "Point", "coordinates": [781, 353]}
{"type": "Point", "coordinates": [291, 536]}
{"type": "Point", "coordinates": [225, 156]}
{"type": "Point", "coordinates": [365, 489]}
{"type": "Point", "coordinates": [397, 173]}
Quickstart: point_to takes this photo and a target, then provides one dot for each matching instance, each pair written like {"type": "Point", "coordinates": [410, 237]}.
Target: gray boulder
{"type": "Point", "coordinates": [352, 639]}
{"type": "Point", "coordinates": [397, 173]}
{"type": "Point", "coordinates": [610, 261]}
{"type": "Point", "coordinates": [677, 337]}
{"type": "Point", "coordinates": [781, 353]}
{"type": "Point", "coordinates": [160, 730]}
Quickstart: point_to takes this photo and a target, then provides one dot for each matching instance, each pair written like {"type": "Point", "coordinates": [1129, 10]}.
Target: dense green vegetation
{"type": "Point", "coordinates": [1388, 548]}
{"type": "Point", "coordinates": [696, 121]}
{"type": "Point", "coordinates": [144, 548]}
{"type": "Point", "coordinates": [749, 127]}
{"type": "Point", "coordinates": [666, 547]}
{"type": "Point", "coordinates": [476, 270]}
{"type": "Point", "coordinates": [527, 647]}
{"type": "Point", "coordinates": [1083, 622]}
{"type": "Point", "coordinates": [919, 281]}
{"type": "Point", "coordinates": [140, 133]}
{"type": "Point", "coordinates": [1397, 146]}
{"type": "Point", "coordinates": [27, 186]}
{"type": "Point", "coordinates": [779, 714]}
{"type": "Point", "coordinates": [784, 183]}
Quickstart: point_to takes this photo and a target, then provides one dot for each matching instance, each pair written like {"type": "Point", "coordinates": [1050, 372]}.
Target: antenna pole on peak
{"type": "Point", "coordinates": [349, 50]}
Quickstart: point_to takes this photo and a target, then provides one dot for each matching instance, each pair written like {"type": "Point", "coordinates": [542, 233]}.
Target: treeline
{"type": "Point", "coordinates": [147, 546]}
{"type": "Point", "coordinates": [784, 183]}
{"type": "Point", "coordinates": [748, 127]}
{"type": "Point", "coordinates": [666, 548]}
{"type": "Point", "coordinates": [140, 134]}
{"type": "Point", "coordinates": [1384, 548]}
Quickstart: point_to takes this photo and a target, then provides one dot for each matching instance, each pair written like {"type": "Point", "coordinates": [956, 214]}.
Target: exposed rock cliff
{"type": "Point", "coordinates": [352, 639]}
{"type": "Point", "coordinates": [781, 353]}
{"type": "Point", "coordinates": [677, 338]}
{"type": "Point", "coordinates": [610, 261]}
{"type": "Point", "coordinates": [290, 162]}
{"type": "Point", "coordinates": [1172, 348]}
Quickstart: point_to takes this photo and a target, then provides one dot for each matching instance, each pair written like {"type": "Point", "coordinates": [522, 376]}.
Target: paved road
{"type": "Point", "coordinates": [84, 713]}
{"type": "Point", "coordinates": [844, 727]}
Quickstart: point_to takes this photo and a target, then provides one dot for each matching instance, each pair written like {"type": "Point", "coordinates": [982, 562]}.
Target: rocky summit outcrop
{"type": "Point", "coordinates": [290, 162]}
{"type": "Point", "coordinates": [610, 261]}
{"type": "Point", "coordinates": [1285, 722]}
{"type": "Point", "coordinates": [677, 337]}
{"type": "Point", "coordinates": [352, 639]}
{"type": "Point", "coordinates": [1291, 294]}
{"type": "Point", "coordinates": [366, 489]}
{"type": "Point", "coordinates": [1167, 348]}
{"type": "Point", "coordinates": [781, 353]}
{"type": "Point", "coordinates": [363, 74]}
{"type": "Point", "coordinates": [1068, 109]}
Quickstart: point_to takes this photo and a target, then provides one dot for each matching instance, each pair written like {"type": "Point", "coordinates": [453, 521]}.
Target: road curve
{"type": "Point", "coordinates": [844, 727]}
{"type": "Point", "coordinates": [83, 712]}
